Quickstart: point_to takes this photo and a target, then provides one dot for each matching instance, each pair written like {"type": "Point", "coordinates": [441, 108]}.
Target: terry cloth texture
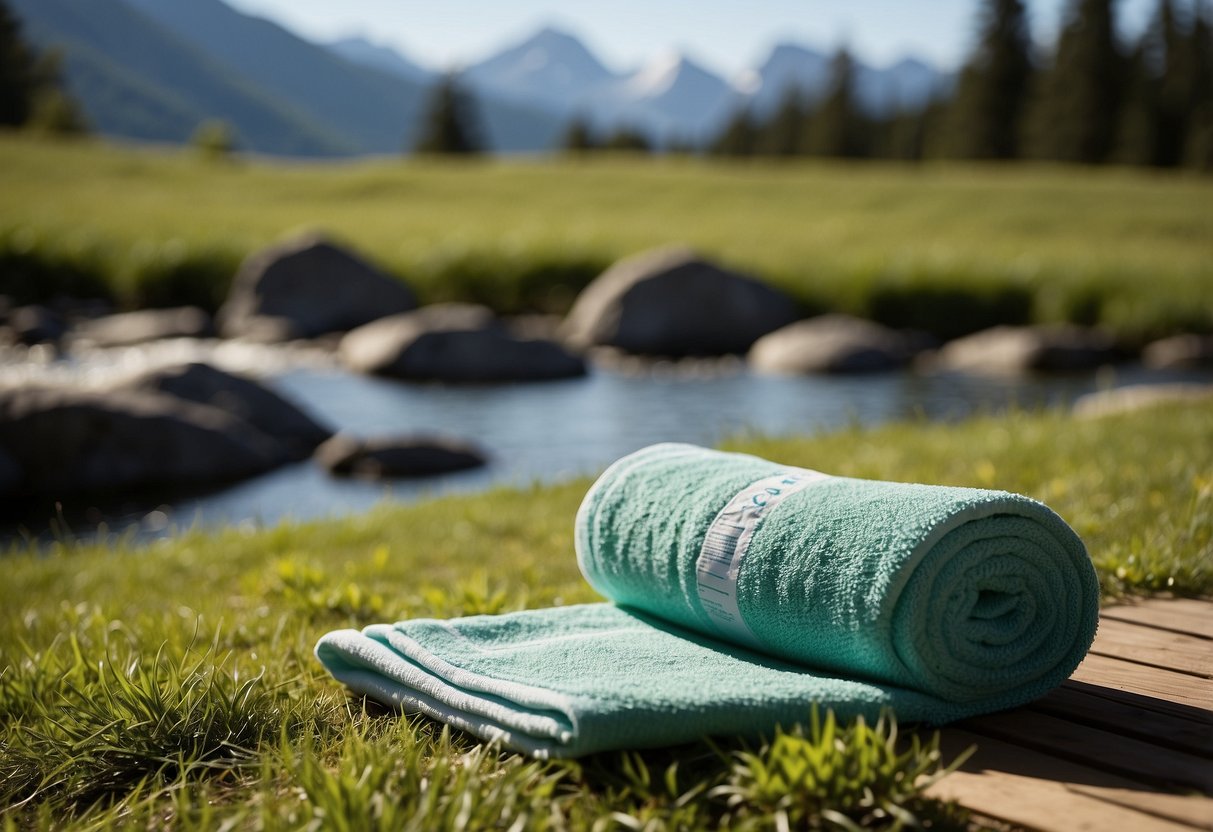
{"type": "Point", "coordinates": [744, 592]}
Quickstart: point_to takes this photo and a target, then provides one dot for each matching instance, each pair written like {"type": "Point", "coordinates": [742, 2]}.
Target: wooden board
{"type": "Point", "coordinates": [1129, 714]}
{"type": "Point", "coordinates": [1038, 791]}
{"type": "Point", "coordinates": [1126, 744]}
{"type": "Point", "coordinates": [1158, 683]}
{"type": "Point", "coordinates": [1154, 647]}
{"type": "Point", "coordinates": [1098, 747]}
{"type": "Point", "coordinates": [1183, 615]}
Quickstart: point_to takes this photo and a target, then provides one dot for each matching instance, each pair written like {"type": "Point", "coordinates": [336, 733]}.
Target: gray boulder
{"type": "Point", "coordinates": [1179, 352]}
{"type": "Point", "coordinates": [307, 287]}
{"type": "Point", "coordinates": [459, 343]}
{"type": "Point", "coordinates": [146, 325]}
{"type": "Point", "coordinates": [66, 441]}
{"type": "Point", "coordinates": [670, 302]}
{"type": "Point", "coordinates": [831, 344]}
{"type": "Point", "coordinates": [396, 457]}
{"type": "Point", "coordinates": [1138, 397]}
{"type": "Point", "coordinates": [239, 397]}
{"type": "Point", "coordinates": [10, 473]}
{"type": "Point", "coordinates": [535, 325]}
{"type": "Point", "coordinates": [1017, 350]}
{"type": "Point", "coordinates": [35, 325]}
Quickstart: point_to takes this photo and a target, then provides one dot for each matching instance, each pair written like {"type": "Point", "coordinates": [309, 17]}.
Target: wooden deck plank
{"type": "Point", "coordinates": [1136, 717]}
{"type": "Point", "coordinates": [1151, 681]}
{"type": "Point", "coordinates": [1131, 715]}
{"type": "Point", "coordinates": [1152, 646]}
{"type": "Point", "coordinates": [1029, 788]}
{"type": "Point", "coordinates": [1162, 707]}
{"type": "Point", "coordinates": [1194, 811]}
{"type": "Point", "coordinates": [1137, 759]}
{"type": "Point", "coordinates": [1183, 615]}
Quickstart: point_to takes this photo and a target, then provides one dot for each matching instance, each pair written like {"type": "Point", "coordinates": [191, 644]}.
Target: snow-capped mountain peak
{"type": "Point", "coordinates": [674, 96]}
{"type": "Point", "coordinates": [659, 75]}
{"type": "Point", "coordinates": [549, 68]}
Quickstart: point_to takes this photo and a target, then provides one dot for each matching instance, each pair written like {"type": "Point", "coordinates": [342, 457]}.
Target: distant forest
{"type": "Point", "coordinates": [1090, 100]}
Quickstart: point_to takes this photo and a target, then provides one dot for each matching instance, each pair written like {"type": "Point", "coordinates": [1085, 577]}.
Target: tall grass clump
{"type": "Point", "coordinates": [411, 775]}
{"type": "Point", "coordinates": [176, 273]}
{"type": "Point", "coordinates": [947, 306]}
{"type": "Point", "coordinates": [834, 776]}
{"type": "Point", "coordinates": [510, 279]}
{"type": "Point", "coordinates": [40, 264]}
{"type": "Point", "coordinates": [89, 723]}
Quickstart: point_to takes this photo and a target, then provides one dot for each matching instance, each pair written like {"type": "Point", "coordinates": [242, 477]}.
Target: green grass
{"type": "Point", "coordinates": [173, 685]}
{"type": "Point", "coordinates": [945, 248]}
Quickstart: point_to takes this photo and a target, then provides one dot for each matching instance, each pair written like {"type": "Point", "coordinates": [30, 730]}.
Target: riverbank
{"type": "Point", "coordinates": [209, 635]}
{"type": "Point", "coordinates": [911, 246]}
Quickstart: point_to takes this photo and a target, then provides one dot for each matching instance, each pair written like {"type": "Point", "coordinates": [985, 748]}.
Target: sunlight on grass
{"type": "Point", "coordinates": [174, 684]}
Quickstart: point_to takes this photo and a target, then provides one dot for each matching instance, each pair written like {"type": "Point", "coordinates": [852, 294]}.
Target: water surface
{"type": "Point", "coordinates": [556, 430]}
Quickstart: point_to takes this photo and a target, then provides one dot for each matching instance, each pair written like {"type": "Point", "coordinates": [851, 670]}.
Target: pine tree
{"type": "Point", "coordinates": [1170, 90]}
{"type": "Point", "coordinates": [680, 146]}
{"type": "Point", "coordinates": [984, 122]}
{"type": "Point", "coordinates": [451, 125]}
{"type": "Point", "coordinates": [628, 140]}
{"type": "Point", "coordinates": [1077, 107]}
{"type": "Point", "coordinates": [1198, 144]}
{"type": "Point", "coordinates": [18, 72]}
{"type": "Point", "coordinates": [1167, 63]}
{"type": "Point", "coordinates": [214, 140]}
{"type": "Point", "coordinates": [907, 135]}
{"type": "Point", "coordinates": [837, 128]}
{"type": "Point", "coordinates": [783, 133]}
{"type": "Point", "coordinates": [578, 138]}
{"type": "Point", "coordinates": [738, 138]}
{"type": "Point", "coordinates": [1135, 135]}
{"type": "Point", "coordinates": [52, 110]}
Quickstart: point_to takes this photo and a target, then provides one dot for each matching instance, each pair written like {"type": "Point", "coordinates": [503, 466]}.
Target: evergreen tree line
{"type": "Point", "coordinates": [451, 126]}
{"type": "Point", "coordinates": [31, 88]}
{"type": "Point", "coordinates": [1092, 100]}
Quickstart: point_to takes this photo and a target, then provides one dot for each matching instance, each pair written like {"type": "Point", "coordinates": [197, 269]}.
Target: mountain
{"type": "Point", "coordinates": [373, 108]}
{"type": "Point", "coordinates": [551, 69]}
{"type": "Point", "coordinates": [360, 51]}
{"type": "Point", "coordinates": [136, 80]}
{"type": "Point", "coordinates": [908, 83]}
{"type": "Point", "coordinates": [788, 67]}
{"type": "Point", "coordinates": [379, 110]}
{"type": "Point", "coordinates": [153, 69]}
{"type": "Point", "coordinates": [673, 98]}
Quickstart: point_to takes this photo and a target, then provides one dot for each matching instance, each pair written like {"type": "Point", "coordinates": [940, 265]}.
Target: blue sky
{"type": "Point", "coordinates": [727, 35]}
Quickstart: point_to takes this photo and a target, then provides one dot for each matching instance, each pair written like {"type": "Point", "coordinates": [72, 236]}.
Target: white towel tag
{"type": "Point", "coordinates": [727, 541]}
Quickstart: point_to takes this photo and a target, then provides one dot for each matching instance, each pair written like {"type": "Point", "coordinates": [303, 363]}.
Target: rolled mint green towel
{"type": "Point", "coordinates": [744, 592]}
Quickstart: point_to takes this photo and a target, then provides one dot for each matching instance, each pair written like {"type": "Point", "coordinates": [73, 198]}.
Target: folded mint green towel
{"type": "Point", "coordinates": [745, 591]}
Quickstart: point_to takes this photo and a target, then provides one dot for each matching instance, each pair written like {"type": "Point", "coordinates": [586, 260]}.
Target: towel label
{"type": "Point", "coordinates": [727, 541]}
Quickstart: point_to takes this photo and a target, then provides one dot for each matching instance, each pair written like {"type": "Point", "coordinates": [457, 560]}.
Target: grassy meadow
{"type": "Point", "coordinates": [944, 248]}
{"type": "Point", "coordinates": [174, 686]}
